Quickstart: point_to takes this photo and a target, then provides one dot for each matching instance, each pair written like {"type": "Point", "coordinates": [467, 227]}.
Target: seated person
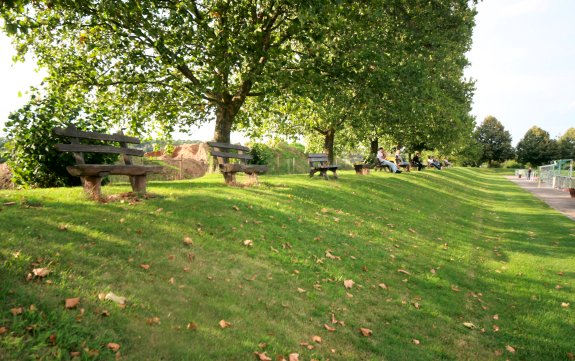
{"type": "Point", "coordinates": [381, 157]}
{"type": "Point", "coordinates": [433, 162]}
{"type": "Point", "coordinates": [416, 161]}
{"type": "Point", "coordinates": [446, 162]}
{"type": "Point", "coordinates": [399, 159]}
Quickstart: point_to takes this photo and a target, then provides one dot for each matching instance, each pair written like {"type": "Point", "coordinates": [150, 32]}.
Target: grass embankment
{"type": "Point", "coordinates": [456, 265]}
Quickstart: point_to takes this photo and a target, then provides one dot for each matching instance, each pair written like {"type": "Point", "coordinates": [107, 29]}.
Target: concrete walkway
{"type": "Point", "coordinates": [555, 198]}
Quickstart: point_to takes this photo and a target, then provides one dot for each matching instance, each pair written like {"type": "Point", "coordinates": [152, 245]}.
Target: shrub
{"type": "Point", "coordinates": [261, 153]}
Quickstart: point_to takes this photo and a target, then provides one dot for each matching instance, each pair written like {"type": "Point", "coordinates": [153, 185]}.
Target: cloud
{"type": "Point", "coordinates": [521, 7]}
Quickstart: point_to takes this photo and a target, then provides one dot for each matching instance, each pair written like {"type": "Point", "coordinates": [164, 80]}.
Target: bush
{"type": "Point", "coordinates": [30, 144]}
{"type": "Point", "coordinates": [261, 153]}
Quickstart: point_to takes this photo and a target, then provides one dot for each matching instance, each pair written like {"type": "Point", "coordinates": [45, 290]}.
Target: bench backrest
{"type": "Point", "coordinates": [230, 153]}
{"type": "Point", "coordinates": [317, 159]}
{"type": "Point", "coordinates": [79, 149]}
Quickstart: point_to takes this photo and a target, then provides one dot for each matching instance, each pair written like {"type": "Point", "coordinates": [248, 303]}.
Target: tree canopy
{"type": "Point", "coordinates": [158, 65]}
{"type": "Point", "coordinates": [537, 148]}
{"type": "Point", "coordinates": [494, 140]}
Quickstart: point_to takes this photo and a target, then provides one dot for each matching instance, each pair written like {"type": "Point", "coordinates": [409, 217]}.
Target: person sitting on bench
{"type": "Point", "coordinates": [399, 159]}
{"type": "Point", "coordinates": [381, 157]}
{"type": "Point", "coordinates": [417, 161]}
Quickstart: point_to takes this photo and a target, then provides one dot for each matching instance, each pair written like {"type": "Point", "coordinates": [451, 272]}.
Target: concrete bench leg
{"type": "Point", "coordinates": [323, 173]}
{"type": "Point", "coordinates": [92, 186]}
{"type": "Point", "coordinates": [138, 183]}
{"type": "Point", "coordinates": [230, 177]}
{"type": "Point", "coordinates": [252, 178]}
{"type": "Point", "coordinates": [334, 174]}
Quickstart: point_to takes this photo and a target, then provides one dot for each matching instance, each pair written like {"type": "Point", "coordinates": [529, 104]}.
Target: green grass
{"type": "Point", "coordinates": [474, 246]}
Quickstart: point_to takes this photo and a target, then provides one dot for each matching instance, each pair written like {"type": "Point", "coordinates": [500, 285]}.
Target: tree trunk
{"type": "Point", "coordinates": [328, 144]}
{"type": "Point", "coordinates": [374, 146]}
{"type": "Point", "coordinates": [225, 115]}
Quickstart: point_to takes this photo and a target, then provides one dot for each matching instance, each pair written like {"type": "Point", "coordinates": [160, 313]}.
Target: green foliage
{"type": "Point", "coordinates": [512, 164]}
{"type": "Point", "coordinates": [567, 144]}
{"type": "Point", "coordinates": [537, 148]}
{"type": "Point", "coordinates": [30, 144]}
{"type": "Point", "coordinates": [471, 154]}
{"type": "Point", "coordinates": [473, 245]}
{"type": "Point", "coordinates": [2, 149]}
{"type": "Point", "coordinates": [261, 153]}
{"type": "Point", "coordinates": [494, 140]}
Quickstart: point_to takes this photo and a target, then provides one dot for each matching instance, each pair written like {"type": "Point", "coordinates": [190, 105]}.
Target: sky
{"type": "Point", "coordinates": [522, 61]}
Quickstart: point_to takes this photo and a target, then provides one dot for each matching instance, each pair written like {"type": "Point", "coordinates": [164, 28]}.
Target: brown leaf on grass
{"type": "Point", "coordinates": [558, 287]}
{"type": "Point", "coordinates": [17, 311]}
{"type": "Point", "coordinates": [366, 331]}
{"type": "Point", "coordinates": [469, 325]}
{"type": "Point", "coordinates": [565, 304]}
{"type": "Point", "coordinates": [383, 285]}
{"type": "Point", "coordinates": [348, 284]}
{"type": "Point", "coordinates": [171, 257]}
{"type": "Point", "coordinates": [105, 313]}
{"type": "Point", "coordinates": [41, 272]}
{"type": "Point", "coordinates": [416, 341]}
{"type": "Point", "coordinates": [236, 208]}
{"type": "Point", "coordinates": [188, 240]}
{"type": "Point", "coordinates": [293, 357]}
{"type": "Point", "coordinates": [52, 339]}
{"type": "Point", "coordinates": [62, 227]}
{"type": "Point", "coordinates": [455, 288]}
{"type": "Point", "coordinates": [495, 328]}
{"type": "Point", "coordinates": [301, 290]}
{"type": "Point", "coordinates": [262, 356]}
{"type": "Point", "coordinates": [561, 273]}
{"type": "Point", "coordinates": [224, 324]}
{"type": "Point", "coordinates": [145, 266]}
{"type": "Point", "coordinates": [248, 243]}
{"type": "Point", "coordinates": [316, 339]}
{"type": "Point", "coordinates": [416, 305]}
{"type": "Point", "coordinates": [110, 296]}
{"type": "Point", "coordinates": [496, 317]}
{"type": "Point", "coordinates": [3, 330]}
{"type": "Point", "coordinates": [412, 230]}
{"type": "Point", "coordinates": [192, 326]}
{"type": "Point", "coordinates": [333, 319]}
{"type": "Point", "coordinates": [172, 280]}
{"type": "Point", "coordinates": [433, 271]}
{"type": "Point", "coordinates": [153, 321]}
{"type": "Point", "coordinates": [570, 356]}
{"type": "Point", "coordinates": [72, 302]}
{"type": "Point", "coordinates": [510, 349]}
{"type": "Point", "coordinates": [328, 327]}
{"type": "Point", "coordinates": [75, 353]}
{"type": "Point", "coordinates": [403, 271]}
{"type": "Point", "coordinates": [329, 255]}
{"type": "Point", "coordinates": [113, 346]}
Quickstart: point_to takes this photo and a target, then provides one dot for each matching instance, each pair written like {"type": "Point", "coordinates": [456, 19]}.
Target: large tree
{"type": "Point", "coordinates": [567, 144]}
{"type": "Point", "coordinates": [495, 141]}
{"type": "Point", "coordinates": [164, 63]}
{"type": "Point", "coordinates": [537, 148]}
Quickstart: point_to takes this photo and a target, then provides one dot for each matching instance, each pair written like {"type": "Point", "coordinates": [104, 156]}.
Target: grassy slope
{"type": "Point", "coordinates": [474, 245]}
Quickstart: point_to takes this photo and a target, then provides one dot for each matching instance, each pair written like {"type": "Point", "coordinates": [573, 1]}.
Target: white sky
{"type": "Point", "coordinates": [522, 60]}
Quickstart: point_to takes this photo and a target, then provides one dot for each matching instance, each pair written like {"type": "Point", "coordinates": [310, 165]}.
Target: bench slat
{"type": "Point", "coordinates": [87, 170]}
{"type": "Point", "coordinates": [94, 148]}
{"type": "Point", "coordinates": [228, 146]}
{"type": "Point", "coordinates": [73, 132]}
{"type": "Point", "coordinates": [231, 155]}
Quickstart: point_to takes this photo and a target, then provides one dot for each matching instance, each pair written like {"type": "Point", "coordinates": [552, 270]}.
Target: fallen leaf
{"type": "Point", "coordinates": [348, 284]}
{"type": "Point", "coordinates": [333, 319]}
{"type": "Point", "coordinates": [115, 298]}
{"type": "Point", "coordinates": [188, 240]}
{"type": "Point", "coordinates": [300, 290]}
{"type": "Point", "coordinates": [366, 331]}
{"type": "Point", "coordinates": [564, 304]}
{"type": "Point", "coordinates": [324, 210]}
{"type": "Point", "coordinates": [570, 356]}
{"type": "Point", "coordinates": [403, 271]}
{"type": "Point", "coordinates": [328, 327]}
{"type": "Point", "coordinates": [495, 328]}
{"type": "Point", "coordinates": [262, 345]}
{"type": "Point", "coordinates": [17, 311]}
{"type": "Point", "coordinates": [62, 227]}
{"type": "Point", "coordinates": [75, 354]}
{"type": "Point", "coordinates": [145, 266]}
{"type": "Point", "coordinates": [412, 230]}
{"type": "Point", "coordinates": [52, 339]}
{"type": "Point", "coordinates": [510, 349]}
{"type": "Point", "coordinates": [433, 271]}
{"type": "Point", "coordinates": [236, 208]}
{"type": "Point", "coordinates": [416, 305]}
{"type": "Point", "coordinates": [383, 285]}
{"type": "Point", "coordinates": [105, 313]}
{"type": "Point", "coordinates": [293, 357]}
{"type": "Point", "coordinates": [262, 356]}
{"type": "Point", "coordinates": [153, 321]}
{"type": "Point", "coordinates": [455, 288]}
{"type": "Point", "coordinates": [3, 330]}
{"type": "Point", "coordinates": [113, 346]}
{"type": "Point", "coordinates": [248, 243]}
{"type": "Point", "coordinates": [316, 339]}
{"type": "Point", "coordinates": [558, 287]}
{"type": "Point", "coordinates": [224, 324]}
{"type": "Point", "coordinates": [41, 272]}
{"type": "Point", "coordinates": [495, 317]}
{"type": "Point", "coordinates": [469, 325]}
{"type": "Point", "coordinates": [192, 326]}
{"type": "Point", "coordinates": [72, 302]}
{"type": "Point", "coordinates": [498, 352]}
{"type": "Point", "coordinates": [416, 341]}
{"type": "Point", "coordinates": [329, 255]}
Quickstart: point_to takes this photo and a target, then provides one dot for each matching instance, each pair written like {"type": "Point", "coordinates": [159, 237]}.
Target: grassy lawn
{"type": "Point", "coordinates": [453, 265]}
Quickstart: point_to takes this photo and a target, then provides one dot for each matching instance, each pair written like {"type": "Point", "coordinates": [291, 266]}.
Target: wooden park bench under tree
{"type": "Point", "coordinates": [319, 163]}
{"type": "Point", "coordinates": [359, 165]}
{"type": "Point", "coordinates": [92, 174]}
{"type": "Point", "coordinates": [233, 158]}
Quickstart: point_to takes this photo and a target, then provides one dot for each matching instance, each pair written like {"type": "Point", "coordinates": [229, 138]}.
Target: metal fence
{"type": "Point", "coordinates": [559, 174]}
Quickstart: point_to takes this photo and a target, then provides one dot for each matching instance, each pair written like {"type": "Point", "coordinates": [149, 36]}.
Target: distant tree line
{"type": "Point", "coordinates": [491, 145]}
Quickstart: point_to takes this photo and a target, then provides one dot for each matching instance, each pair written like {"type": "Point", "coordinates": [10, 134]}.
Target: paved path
{"type": "Point", "coordinates": [560, 200]}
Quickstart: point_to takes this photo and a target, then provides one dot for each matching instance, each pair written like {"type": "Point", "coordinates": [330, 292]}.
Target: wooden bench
{"type": "Point", "coordinates": [233, 158]}
{"type": "Point", "coordinates": [319, 163]}
{"type": "Point", "coordinates": [359, 165]}
{"type": "Point", "coordinates": [92, 174]}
